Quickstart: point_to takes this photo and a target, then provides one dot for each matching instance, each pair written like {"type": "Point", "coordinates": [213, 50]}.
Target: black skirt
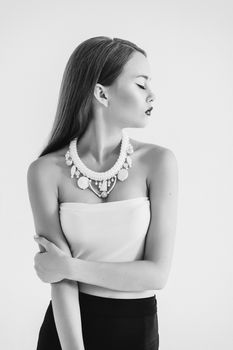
{"type": "Point", "coordinates": [109, 324]}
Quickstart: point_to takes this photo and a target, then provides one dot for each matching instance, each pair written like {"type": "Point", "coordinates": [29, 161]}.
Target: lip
{"type": "Point", "coordinates": [149, 111]}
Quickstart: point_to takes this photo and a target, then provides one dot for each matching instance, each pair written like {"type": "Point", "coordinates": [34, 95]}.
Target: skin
{"type": "Point", "coordinates": [119, 106]}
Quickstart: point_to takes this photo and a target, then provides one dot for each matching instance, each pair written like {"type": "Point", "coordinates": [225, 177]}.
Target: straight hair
{"type": "Point", "coordinates": [96, 60]}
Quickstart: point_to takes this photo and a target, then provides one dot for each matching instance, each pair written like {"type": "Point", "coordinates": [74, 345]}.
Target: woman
{"type": "Point", "coordinates": [104, 205]}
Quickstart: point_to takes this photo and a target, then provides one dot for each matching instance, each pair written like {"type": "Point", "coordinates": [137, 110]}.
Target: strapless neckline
{"type": "Point", "coordinates": [113, 231]}
{"type": "Point", "coordinates": [105, 204]}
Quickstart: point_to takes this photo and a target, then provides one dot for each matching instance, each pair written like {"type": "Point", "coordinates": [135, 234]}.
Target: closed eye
{"type": "Point", "coordinates": [141, 86]}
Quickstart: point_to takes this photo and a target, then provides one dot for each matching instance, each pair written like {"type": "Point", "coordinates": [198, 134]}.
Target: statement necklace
{"type": "Point", "coordinates": [101, 183]}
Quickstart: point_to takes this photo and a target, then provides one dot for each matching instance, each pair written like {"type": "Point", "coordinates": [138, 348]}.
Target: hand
{"type": "Point", "coordinates": [51, 266]}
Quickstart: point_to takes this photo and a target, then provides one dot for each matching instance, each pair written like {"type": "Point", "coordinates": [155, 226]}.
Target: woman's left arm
{"type": "Point", "coordinates": [152, 272]}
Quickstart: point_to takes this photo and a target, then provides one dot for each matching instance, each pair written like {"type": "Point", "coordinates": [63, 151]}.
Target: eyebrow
{"type": "Point", "coordinates": [144, 76]}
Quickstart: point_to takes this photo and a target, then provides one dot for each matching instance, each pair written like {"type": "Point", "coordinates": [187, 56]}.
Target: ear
{"type": "Point", "coordinates": [100, 93]}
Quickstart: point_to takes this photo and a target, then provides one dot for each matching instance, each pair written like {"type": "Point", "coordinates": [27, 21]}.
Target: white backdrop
{"type": "Point", "coordinates": [190, 50]}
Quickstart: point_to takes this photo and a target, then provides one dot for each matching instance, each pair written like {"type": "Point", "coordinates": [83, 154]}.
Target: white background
{"type": "Point", "coordinates": [190, 51]}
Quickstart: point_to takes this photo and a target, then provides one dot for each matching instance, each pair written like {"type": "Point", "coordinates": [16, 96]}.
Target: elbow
{"type": "Point", "coordinates": [161, 281]}
{"type": "Point", "coordinates": [158, 277]}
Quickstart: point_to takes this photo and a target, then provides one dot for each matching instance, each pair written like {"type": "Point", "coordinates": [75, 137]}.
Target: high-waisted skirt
{"type": "Point", "coordinates": [109, 324]}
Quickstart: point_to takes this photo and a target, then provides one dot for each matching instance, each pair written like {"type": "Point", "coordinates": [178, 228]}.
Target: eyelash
{"type": "Point", "coordinates": [142, 87]}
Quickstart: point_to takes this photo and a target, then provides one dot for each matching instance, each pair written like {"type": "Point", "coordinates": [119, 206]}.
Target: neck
{"type": "Point", "coordinates": [100, 142]}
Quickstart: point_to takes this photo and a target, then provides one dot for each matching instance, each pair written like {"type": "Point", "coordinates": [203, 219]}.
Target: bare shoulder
{"type": "Point", "coordinates": [153, 153]}
{"type": "Point", "coordinates": [157, 159]}
{"type": "Point", "coordinates": [42, 182]}
{"type": "Point", "coordinates": [48, 166]}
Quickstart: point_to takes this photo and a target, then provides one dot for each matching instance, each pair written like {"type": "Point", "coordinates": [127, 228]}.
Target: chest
{"type": "Point", "coordinates": [134, 186]}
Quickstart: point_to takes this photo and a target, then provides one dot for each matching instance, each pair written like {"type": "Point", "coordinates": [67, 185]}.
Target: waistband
{"type": "Point", "coordinates": [96, 305]}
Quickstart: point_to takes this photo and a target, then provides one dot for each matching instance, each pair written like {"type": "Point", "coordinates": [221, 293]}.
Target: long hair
{"type": "Point", "coordinates": [98, 59]}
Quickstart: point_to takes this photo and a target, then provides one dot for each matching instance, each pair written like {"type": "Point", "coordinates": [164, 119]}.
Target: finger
{"type": "Point", "coordinates": [43, 241]}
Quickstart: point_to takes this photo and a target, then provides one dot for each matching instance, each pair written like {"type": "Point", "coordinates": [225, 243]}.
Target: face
{"type": "Point", "coordinates": [131, 95]}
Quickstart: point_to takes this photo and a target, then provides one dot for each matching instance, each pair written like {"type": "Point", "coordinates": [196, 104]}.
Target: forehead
{"type": "Point", "coordinates": [137, 66]}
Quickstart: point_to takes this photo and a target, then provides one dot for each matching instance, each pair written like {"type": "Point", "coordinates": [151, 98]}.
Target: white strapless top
{"type": "Point", "coordinates": [111, 232]}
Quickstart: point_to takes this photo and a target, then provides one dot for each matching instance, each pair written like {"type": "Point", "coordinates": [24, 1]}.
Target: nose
{"type": "Point", "coordinates": [151, 97]}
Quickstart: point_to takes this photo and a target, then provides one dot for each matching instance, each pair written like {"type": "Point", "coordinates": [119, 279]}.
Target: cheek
{"type": "Point", "coordinates": [128, 99]}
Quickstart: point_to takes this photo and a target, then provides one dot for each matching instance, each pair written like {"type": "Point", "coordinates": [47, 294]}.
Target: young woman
{"type": "Point", "coordinates": [104, 205]}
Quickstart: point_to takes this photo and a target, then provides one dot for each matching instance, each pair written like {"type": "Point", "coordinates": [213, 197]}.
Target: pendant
{"type": "Point", "coordinates": [103, 186]}
{"type": "Point", "coordinates": [105, 192]}
{"type": "Point", "coordinates": [72, 171]}
{"type": "Point", "coordinates": [123, 174]}
{"type": "Point", "coordinates": [83, 182]}
{"type": "Point", "coordinates": [129, 161]}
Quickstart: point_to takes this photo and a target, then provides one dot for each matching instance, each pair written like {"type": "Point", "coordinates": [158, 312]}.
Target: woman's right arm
{"type": "Point", "coordinates": [42, 178]}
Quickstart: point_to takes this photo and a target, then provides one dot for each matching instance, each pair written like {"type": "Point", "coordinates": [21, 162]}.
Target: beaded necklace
{"type": "Point", "coordinates": [101, 183]}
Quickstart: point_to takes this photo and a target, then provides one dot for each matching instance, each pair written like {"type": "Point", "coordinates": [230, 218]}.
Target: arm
{"type": "Point", "coordinates": [42, 189]}
{"type": "Point", "coordinates": [131, 276]}
{"type": "Point", "coordinates": [152, 272]}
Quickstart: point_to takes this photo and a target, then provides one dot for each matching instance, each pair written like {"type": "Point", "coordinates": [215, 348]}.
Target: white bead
{"type": "Point", "coordinates": [69, 162]}
{"type": "Point", "coordinates": [83, 182]}
{"type": "Point", "coordinates": [104, 194]}
{"type": "Point", "coordinates": [123, 174]}
{"type": "Point", "coordinates": [129, 149]}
